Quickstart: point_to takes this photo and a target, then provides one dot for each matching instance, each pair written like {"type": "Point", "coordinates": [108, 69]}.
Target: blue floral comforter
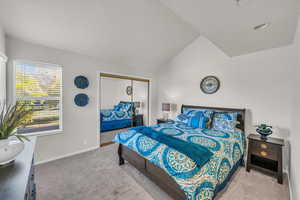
{"type": "Point", "coordinates": [197, 183]}
{"type": "Point", "coordinates": [111, 115]}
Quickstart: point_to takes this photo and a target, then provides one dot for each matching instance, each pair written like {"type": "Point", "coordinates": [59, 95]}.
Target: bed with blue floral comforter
{"type": "Point", "coordinates": [198, 183]}
{"type": "Point", "coordinates": [119, 117]}
{"type": "Point", "coordinates": [115, 119]}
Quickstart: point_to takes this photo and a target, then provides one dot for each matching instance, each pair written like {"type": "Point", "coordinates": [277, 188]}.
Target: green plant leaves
{"type": "Point", "coordinates": [12, 117]}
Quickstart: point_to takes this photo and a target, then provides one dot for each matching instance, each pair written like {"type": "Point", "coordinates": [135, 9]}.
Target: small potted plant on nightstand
{"type": "Point", "coordinates": [11, 144]}
{"type": "Point", "coordinates": [264, 130]}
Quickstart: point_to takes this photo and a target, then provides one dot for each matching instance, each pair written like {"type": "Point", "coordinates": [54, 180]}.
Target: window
{"type": "Point", "coordinates": [39, 86]}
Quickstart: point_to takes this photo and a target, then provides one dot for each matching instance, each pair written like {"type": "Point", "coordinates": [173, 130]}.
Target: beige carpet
{"type": "Point", "coordinates": [108, 136]}
{"type": "Point", "coordinates": [96, 176]}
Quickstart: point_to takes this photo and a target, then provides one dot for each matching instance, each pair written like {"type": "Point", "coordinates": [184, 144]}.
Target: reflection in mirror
{"type": "Point", "coordinates": [140, 97]}
{"type": "Point", "coordinates": [123, 104]}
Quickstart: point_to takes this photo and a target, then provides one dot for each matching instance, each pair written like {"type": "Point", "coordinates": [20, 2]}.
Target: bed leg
{"type": "Point", "coordinates": [243, 163]}
{"type": "Point", "coordinates": [121, 159]}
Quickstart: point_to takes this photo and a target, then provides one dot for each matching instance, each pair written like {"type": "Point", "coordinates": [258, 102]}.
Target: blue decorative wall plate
{"type": "Point", "coordinates": [81, 82]}
{"type": "Point", "coordinates": [81, 100]}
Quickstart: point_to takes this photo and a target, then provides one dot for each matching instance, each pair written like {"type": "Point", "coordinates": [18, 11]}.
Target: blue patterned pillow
{"type": "Point", "coordinates": [117, 107]}
{"type": "Point", "coordinates": [199, 112]}
{"type": "Point", "coordinates": [125, 107]}
{"type": "Point", "coordinates": [204, 117]}
{"type": "Point", "coordinates": [197, 121]}
{"type": "Point", "coordinates": [224, 124]}
{"type": "Point", "coordinates": [182, 118]}
{"type": "Point", "coordinates": [228, 116]}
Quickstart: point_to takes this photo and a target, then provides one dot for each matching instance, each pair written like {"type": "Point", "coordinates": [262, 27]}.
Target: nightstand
{"type": "Point", "coordinates": [138, 120]}
{"type": "Point", "coordinates": [159, 121]}
{"type": "Point", "coordinates": [265, 155]}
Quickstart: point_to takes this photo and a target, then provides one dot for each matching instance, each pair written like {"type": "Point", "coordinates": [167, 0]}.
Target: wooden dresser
{"type": "Point", "coordinates": [17, 180]}
{"type": "Point", "coordinates": [265, 155]}
{"type": "Point", "coordinates": [138, 120]}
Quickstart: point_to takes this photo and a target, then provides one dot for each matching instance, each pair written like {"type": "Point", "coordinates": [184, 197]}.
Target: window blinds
{"type": "Point", "coordinates": [37, 81]}
{"type": "Point", "coordinates": [38, 86]}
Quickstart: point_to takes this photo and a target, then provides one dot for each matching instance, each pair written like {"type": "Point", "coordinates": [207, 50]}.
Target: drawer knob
{"type": "Point", "coordinates": [263, 146]}
{"type": "Point", "coordinates": [263, 153]}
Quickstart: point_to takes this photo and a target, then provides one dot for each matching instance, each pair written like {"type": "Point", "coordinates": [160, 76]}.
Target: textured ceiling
{"type": "Point", "coordinates": [230, 27]}
{"type": "Point", "coordinates": [140, 33]}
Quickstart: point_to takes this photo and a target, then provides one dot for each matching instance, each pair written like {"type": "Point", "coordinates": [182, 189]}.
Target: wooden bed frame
{"type": "Point", "coordinates": [158, 175]}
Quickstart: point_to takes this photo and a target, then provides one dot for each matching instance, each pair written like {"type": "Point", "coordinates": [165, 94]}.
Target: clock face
{"type": "Point", "coordinates": [210, 84]}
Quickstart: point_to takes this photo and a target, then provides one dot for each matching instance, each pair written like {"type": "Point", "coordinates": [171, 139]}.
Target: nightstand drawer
{"type": "Point", "coordinates": [138, 120]}
{"type": "Point", "coordinates": [264, 150]}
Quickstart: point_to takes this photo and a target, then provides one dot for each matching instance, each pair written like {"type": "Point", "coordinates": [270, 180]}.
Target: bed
{"type": "Point", "coordinates": [176, 173]}
{"type": "Point", "coordinates": [116, 118]}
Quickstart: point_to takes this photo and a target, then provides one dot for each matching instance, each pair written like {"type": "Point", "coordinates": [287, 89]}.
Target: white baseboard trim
{"type": "Point", "coordinates": [66, 155]}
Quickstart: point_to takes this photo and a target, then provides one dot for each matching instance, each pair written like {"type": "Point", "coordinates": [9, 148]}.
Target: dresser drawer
{"type": "Point", "coordinates": [265, 150]}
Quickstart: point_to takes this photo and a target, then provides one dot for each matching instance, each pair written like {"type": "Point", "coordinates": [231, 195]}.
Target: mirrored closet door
{"type": "Point", "coordinates": [124, 103]}
{"type": "Point", "coordinates": [140, 99]}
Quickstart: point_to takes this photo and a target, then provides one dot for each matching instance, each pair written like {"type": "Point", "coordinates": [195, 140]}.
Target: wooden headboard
{"type": "Point", "coordinates": [240, 117]}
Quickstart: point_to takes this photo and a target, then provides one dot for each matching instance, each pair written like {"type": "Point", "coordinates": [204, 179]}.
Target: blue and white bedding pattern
{"type": "Point", "coordinates": [197, 183]}
{"type": "Point", "coordinates": [110, 115]}
{"type": "Point", "coordinates": [118, 117]}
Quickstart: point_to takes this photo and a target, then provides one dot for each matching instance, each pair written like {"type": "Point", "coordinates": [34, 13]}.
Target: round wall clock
{"type": "Point", "coordinates": [81, 100]}
{"type": "Point", "coordinates": [81, 82]}
{"type": "Point", "coordinates": [210, 84]}
{"type": "Point", "coordinates": [129, 90]}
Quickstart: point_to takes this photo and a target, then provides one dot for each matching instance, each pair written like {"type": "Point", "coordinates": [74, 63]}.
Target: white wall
{"type": "Point", "coordinates": [2, 41]}
{"type": "Point", "coordinates": [260, 82]}
{"type": "Point", "coordinates": [113, 90]}
{"type": "Point", "coordinates": [295, 136]}
{"type": "Point", "coordinates": [80, 124]}
{"type": "Point", "coordinates": [140, 94]}
{"type": "Point", "coordinates": [2, 79]}
{"type": "Point", "coordinates": [2, 67]}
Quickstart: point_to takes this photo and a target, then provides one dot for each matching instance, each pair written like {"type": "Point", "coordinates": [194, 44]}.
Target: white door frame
{"type": "Point", "coordinates": [99, 98]}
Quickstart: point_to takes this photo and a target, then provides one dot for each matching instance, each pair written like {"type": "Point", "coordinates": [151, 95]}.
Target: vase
{"type": "Point", "coordinates": [264, 133]}
{"type": "Point", "coordinates": [9, 149]}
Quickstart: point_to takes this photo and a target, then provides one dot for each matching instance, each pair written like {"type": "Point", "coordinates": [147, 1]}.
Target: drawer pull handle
{"type": "Point", "coordinates": [263, 153]}
{"type": "Point", "coordinates": [263, 146]}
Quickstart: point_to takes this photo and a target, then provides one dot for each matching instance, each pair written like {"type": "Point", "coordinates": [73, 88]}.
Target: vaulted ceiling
{"type": "Point", "coordinates": [230, 26]}
{"type": "Point", "coordinates": [147, 33]}
{"type": "Point", "coordinates": [141, 33]}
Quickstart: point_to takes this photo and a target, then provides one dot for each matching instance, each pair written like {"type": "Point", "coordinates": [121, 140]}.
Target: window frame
{"type": "Point", "coordinates": [41, 133]}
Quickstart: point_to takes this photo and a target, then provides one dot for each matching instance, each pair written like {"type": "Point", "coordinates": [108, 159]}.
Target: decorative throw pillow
{"type": "Point", "coordinates": [198, 121]}
{"type": "Point", "coordinates": [205, 117]}
{"type": "Point", "coordinates": [228, 116]}
{"type": "Point", "coordinates": [182, 118]}
{"type": "Point", "coordinates": [193, 112]}
{"type": "Point", "coordinates": [224, 124]}
{"type": "Point", "coordinates": [125, 107]}
{"type": "Point", "coordinates": [117, 107]}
